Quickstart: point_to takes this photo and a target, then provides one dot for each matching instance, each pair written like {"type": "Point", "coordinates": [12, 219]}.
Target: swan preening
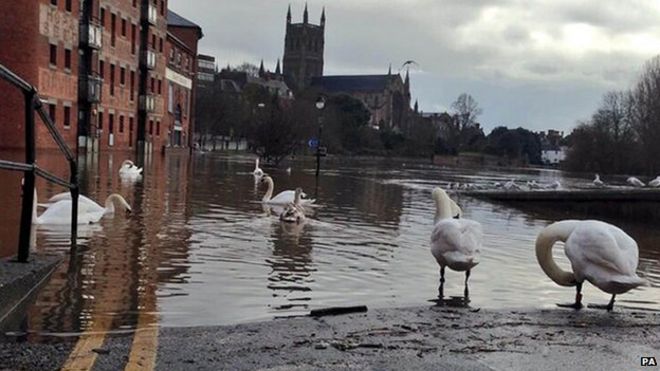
{"type": "Point", "coordinates": [455, 243]}
{"type": "Point", "coordinates": [655, 183]}
{"type": "Point", "coordinates": [282, 198]}
{"type": "Point", "coordinates": [599, 253]}
{"type": "Point", "coordinates": [128, 170]}
{"type": "Point", "coordinates": [294, 212]}
{"type": "Point", "coordinates": [59, 210]}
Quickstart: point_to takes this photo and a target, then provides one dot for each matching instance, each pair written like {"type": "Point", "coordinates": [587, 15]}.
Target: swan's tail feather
{"type": "Point", "coordinates": [45, 205]}
{"type": "Point", "coordinates": [621, 284]}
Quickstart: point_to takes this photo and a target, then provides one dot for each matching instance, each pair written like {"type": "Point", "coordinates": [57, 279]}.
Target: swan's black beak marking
{"type": "Point", "coordinates": [458, 216]}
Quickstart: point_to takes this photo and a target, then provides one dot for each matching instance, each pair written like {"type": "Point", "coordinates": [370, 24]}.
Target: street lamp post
{"type": "Point", "coordinates": [320, 104]}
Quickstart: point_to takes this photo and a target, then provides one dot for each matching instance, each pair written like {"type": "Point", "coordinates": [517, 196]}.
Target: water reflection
{"type": "Point", "coordinates": [200, 249]}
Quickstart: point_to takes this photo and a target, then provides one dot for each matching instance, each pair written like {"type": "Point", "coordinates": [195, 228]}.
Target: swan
{"type": "Point", "coordinates": [88, 210]}
{"type": "Point", "coordinates": [288, 170]}
{"type": "Point", "coordinates": [510, 185]}
{"type": "Point", "coordinates": [655, 183]}
{"type": "Point", "coordinates": [597, 182]}
{"type": "Point", "coordinates": [258, 173]}
{"type": "Point", "coordinates": [129, 170]}
{"type": "Point", "coordinates": [455, 243]}
{"type": "Point", "coordinates": [282, 198]}
{"type": "Point", "coordinates": [533, 185]}
{"type": "Point", "coordinates": [553, 185]}
{"type": "Point", "coordinates": [599, 252]}
{"type": "Point", "coordinates": [635, 182]}
{"type": "Point", "coordinates": [294, 212]}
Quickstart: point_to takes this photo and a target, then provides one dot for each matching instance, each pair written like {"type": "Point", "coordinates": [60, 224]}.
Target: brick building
{"type": "Point", "coordinates": [99, 65]}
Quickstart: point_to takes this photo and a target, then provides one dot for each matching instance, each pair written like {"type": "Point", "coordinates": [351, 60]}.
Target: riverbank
{"type": "Point", "coordinates": [426, 338]}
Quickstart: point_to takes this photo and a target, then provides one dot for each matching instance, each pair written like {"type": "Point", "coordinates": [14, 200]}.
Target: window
{"type": "Point", "coordinates": [130, 132]}
{"type": "Point", "coordinates": [170, 98]}
{"type": "Point", "coordinates": [53, 2]}
{"type": "Point", "coordinates": [113, 28]}
{"type": "Point", "coordinates": [121, 124]}
{"type": "Point", "coordinates": [153, 42]}
{"type": "Point", "coordinates": [158, 128]}
{"type": "Point", "coordinates": [53, 55]}
{"type": "Point", "coordinates": [160, 45]}
{"type": "Point", "coordinates": [67, 116]}
{"type": "Point", "coordinates": [102, 69]}
{"type": "Point", "coordinates": [123, 27]}
{"type": "Point", "coordinates": [153, 85]}
{"type": "Point", "coordinates": [134, 3]}
{"type": "Point", "coordinates": [133, 37]}
{"type": "Point", "coordinates": [132, 93]}
{"type": "Point", "coordinates": [151, 127]}
{"type": "Point", "coordinates": [122, 76]}
{"type": "Point", "coordinates": [67, 59]}
{"type": "Point", "coordinates": [160, 86]}
{"type": "Point", "coordinates": [67, 5]}
{"type": "Point", "coordinates": [111, 123]}
{"type": "Point", "coordinates": [102, 16]}
{"type": "Point", "coordinates": [112, 79]}
{"type": "Point", "coordinates": [52, 110]}
{"type": "Point", "coordinates": [162, 7]}
{"type": "Point", "coordinates": [101, 121]}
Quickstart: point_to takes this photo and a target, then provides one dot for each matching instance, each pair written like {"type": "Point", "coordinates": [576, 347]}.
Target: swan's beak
{"type": "Point", "coordinates": [129, 210]}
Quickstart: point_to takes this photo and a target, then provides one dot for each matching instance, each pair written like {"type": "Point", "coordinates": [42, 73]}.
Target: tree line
{"type": "Point", "coordinates": [623, 134]}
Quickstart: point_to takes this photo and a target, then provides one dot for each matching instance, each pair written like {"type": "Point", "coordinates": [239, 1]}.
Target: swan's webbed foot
{"type": "Point", "coordinates": [466, 293]}
{"type": "Point", "coordinates": [578, 299]}
{"type": "Point", "coordinates": [608, 307]}
{"type": "Point", "coordinates": [442, 283]}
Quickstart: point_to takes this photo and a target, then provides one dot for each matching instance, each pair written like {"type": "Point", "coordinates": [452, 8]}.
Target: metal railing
{"type": "Point", "coordinates": [31, 170]}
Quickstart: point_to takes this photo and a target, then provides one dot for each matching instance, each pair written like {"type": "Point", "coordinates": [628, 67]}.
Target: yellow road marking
{"type": "Point", "coordinates": [145, 344]}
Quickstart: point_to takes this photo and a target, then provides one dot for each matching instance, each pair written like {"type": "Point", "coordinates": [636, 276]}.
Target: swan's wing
{"type": "Point", "coordinates": [284, 197]}
{"type": "Point", "coordinates": [57, 213]}
{"type": "Point", "coordinates": [456, 236]}
{"type": "Point", "coordinates": [60, 197]}
{"type": "Point", "coordinates": [596, 249]}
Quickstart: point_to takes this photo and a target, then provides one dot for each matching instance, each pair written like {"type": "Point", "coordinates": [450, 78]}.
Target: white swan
{"type": "Point", "coordinates": [533, 185]}
{"type": "Point", "coordinates": [288, 170]}
{"type": "Point", "coordinates": [455, 243]}
{"type": "Point", "coordinates": [599, 253]}
{"type": "Point", "coordinates": [282, 198]}
{"type": "Point", "coordinates": [655, 183]}
{"type": "Point", "coordinates": [129, 170]}
{"type": "Point", "coordinates": [258, 173]}
{"type": "Point", "coordinates": [511, 185]}
{"type": "Point", "coordinates": [88, 210]}
{"type": "Point", "coordinates": [597, 182]}
{"type": "Point", "coordinates": [635, 182]}
{"type": "Point", "coordinates": [294, 212]}
{"type": "Point", "coordinates": [553, 185]}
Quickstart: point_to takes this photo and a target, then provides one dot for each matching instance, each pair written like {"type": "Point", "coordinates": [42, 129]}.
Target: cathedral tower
{"type": "Point", "coordinates": [303, 50]}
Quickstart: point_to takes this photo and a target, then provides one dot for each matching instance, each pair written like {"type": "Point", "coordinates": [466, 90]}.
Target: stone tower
{"type": "Point", "coordinates": [303, 50]}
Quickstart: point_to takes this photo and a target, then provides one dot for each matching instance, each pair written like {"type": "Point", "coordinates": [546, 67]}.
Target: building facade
{"type": "Point", "coordinates": [99, 65]}
{"type": "Point", "coordinates": [303, 50]}
{"type": "Point", "coordinates": [205, 70]}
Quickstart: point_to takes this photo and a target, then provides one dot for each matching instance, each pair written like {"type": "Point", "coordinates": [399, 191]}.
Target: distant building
{"type": "Point", "coordinates": [99, 65]}
{"type": "Point", "coordinates": [205, 70]}
{"type": "Point", "coordinates": [303, 50]}
{"type": "Point", "coordinates": [233, 81]}
{"type": "Point", "coordinates": [181, 75]}
{"type": "Point", "coordinates": [387, 97]}
{"type": "Point", "coordinates": [553, 156]}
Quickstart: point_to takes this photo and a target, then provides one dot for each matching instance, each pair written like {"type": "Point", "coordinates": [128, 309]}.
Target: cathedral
{"type": "Point", "coordinates": [386, 96]}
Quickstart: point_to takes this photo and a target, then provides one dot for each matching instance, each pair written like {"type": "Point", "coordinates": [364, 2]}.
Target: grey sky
{"type": "Point", "coordinates": [538, 64]}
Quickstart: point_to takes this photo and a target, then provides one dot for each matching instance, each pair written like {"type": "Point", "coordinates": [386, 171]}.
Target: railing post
{"type": "Point", "coordinates": [75, 193]}
{"type": "Point", "coordinates": [27, 206]}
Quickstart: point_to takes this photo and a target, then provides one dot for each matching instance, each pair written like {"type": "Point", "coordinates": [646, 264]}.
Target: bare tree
{"type": "Point", "coordinates": [465, 112]}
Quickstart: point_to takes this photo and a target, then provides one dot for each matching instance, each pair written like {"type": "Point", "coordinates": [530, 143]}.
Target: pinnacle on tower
{"type": "Point", "coordinates": [278, 71]}
{"type": "Point", "coordinates": [262, 71]}
{"type": "Point", "coordinates": [288, 15]}
{"type": "Point", "coordinates": [305, 15]}
{"type": "Point", "coordinates": [416, 106]}
{"type": "Point", "coordinates": [389, 71]}
{"type": "Point", "coordinates": [323, 17]}
{"type": "Point", "coordinates": [406, 83]}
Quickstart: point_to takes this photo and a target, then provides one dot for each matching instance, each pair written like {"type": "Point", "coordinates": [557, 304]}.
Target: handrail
{"type": "Point", "coordinates": [31, 169]}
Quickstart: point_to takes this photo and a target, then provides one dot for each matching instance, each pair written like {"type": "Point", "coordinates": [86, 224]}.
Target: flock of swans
{"type": "Point", "coordinates": [632, 181]}
{"type": "Point", "coordinates": [599, 253]}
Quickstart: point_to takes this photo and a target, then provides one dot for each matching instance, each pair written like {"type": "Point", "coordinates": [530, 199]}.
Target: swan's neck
{"type": "Point", "coordinates": [556, 232]}
{"type": "Point", "coordinates": [269, 192]}
{"type": "Point", "coordinates": [442, 207]}
{"type": "Point", "coordinates": [110, 206]}
{"type": "Point", "coordinates": [34, 207]}
{"type": "Point", "coordinates": [256, 164]}
{"type": "Point", "coordinates": [296, 199]}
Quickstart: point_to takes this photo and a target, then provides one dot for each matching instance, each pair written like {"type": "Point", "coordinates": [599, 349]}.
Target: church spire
{"type": "Point", "coordinates": [323, 17]}
{"type": "Point", "coordinates": [389, 71]}
{"type": "Point", "coordinates": [288, 15]}
{"type": "Point", "coordinates": [406, 83]}
{"type": "Point", "coordinates": [262, 70]}
{"type": "Point", "coordinates": [305, 15]}
{"type": "Point", "coordinates": [416, 106]}
{"type": "Point", "coordinates": [278, 71]}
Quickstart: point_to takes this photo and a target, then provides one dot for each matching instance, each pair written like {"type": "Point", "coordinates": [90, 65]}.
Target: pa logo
{"type": "Point", "coordinates": [649, 362]}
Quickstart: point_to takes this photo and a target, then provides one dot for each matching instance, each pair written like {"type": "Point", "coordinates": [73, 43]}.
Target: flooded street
{"type": "Point", "coordinates": [200, 249]}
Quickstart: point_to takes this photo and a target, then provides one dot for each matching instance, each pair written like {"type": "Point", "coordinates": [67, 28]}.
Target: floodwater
{"type": "Point", "coordinates": [199, 249]}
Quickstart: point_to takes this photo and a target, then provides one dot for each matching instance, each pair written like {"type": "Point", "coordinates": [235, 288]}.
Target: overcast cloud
{"type": "Point", "coordinates": [538, 64]}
